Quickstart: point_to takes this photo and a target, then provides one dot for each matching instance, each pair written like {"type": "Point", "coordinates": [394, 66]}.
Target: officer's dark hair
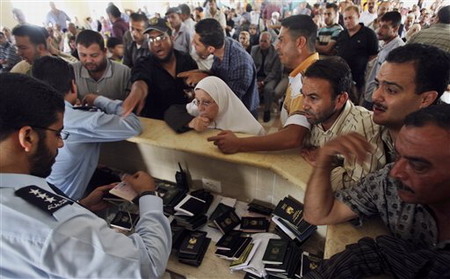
{"type": "Point", "coordinates": [336, 71]}
{"type": "Point", "coordinates": [432, 66]}
{"type": "Point", "coordinates": [210, 32]}
{"type": "Point", "coordinates": [332, 6]}
{"type": "Point", "coordinates": [33, 32]}
{"type": "Point", "coordinates": [139, 17]}
{"type": "Point", "coordinates": [88, 37]}
{"type": "Point", "coordinates": [185, 10]}
{"type": "Point", "coordinates": [113, 10]}
{"type": "Point", "coordinates": [438, 115]}
{"type": "Point", "coordinates": [26, 102]}
{"type": "Point", "coordinates": [444, 14]}
{"type": "Point", "coordinates": [55, 72]}
{"type": "Point", "coordinates": [394, 17]}
{"type": "Point", "coordinates": [302, 26]}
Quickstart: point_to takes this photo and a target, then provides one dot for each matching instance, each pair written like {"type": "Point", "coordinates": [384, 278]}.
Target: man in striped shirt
{"type": "Point", "coordinates": [327, 107]}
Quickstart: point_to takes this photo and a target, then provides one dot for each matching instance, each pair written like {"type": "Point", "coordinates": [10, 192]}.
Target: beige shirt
{"type": "Point", "coordinates": [352, 119]}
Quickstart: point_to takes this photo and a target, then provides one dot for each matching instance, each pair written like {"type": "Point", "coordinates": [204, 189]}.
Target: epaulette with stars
{"type": "Point", "coordinates": [44, 200]}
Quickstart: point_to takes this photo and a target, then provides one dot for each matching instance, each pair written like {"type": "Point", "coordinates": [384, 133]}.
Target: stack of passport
{"type": "Point", "coordinates": [171, 193]}
{"type": "Point", "coordinates": [193, 248]}
{"type": "Point", "coordinates": [232, 245]}
{"type": "Point", "coordinates": [284, 259]}
{"type": "Point", "coordinates": [190, 211]}
{"type": "Point", "coordinates": [288, 216]}
{"type": "Point", "coordinates": [224, 218]}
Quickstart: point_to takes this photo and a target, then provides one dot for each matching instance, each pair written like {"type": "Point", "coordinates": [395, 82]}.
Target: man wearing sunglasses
{"type": "Point", "coordinates": [155, 85]}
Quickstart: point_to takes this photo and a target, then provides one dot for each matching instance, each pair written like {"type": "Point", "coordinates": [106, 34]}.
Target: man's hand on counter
{"type": "Point", "coordinates": [227, 142]}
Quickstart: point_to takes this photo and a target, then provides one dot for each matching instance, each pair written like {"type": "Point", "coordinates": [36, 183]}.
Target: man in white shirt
{"type": "Point", "coordinates": [370, 14]}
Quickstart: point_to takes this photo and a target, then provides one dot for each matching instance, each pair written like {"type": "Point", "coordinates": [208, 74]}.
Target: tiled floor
{"type": "Point", "coordinates": [273, 125]}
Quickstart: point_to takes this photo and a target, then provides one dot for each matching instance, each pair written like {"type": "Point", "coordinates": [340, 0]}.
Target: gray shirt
{"type": "Point", "coordinates": [115, 83]}
{"type": "Point", "coordinates": [376, 194]}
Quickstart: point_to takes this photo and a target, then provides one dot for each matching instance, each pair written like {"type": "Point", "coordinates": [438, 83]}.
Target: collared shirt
{"type": "Point", "coordinates": [114, 84]}
{"type": "Point", "coordinates": [73, 242]}
{"type": "Point", "coordinates": [219, 16]}
{"type": "Point", "coordinates": [376, 194]}
{"type": "Point", "coordinates": [366, 17]}
{"type": "Point", "coordinates": [57, 18]}
{"type": "Point", "coordinates": [238, 71]}
{"type": "Point", "coordinates": [384, 51]}
{"type": "Point", "coordinates": [8, 53]}
{"type": "Point", "coordinates": [292, 111]}
{"type": "Point", "coordinates": [356, 51]}
{"type": "Point", "coordinates": [437, 35]}
{"type": "Point", "coordinates": [77, 160]}
{"type": "Point", "coordinates": [133, 53]}
{"type": "Point", "coordinates": [272, 65]}
{"type": "Point", "coordinates": [163, 89]}
{"type": "Point", "coordinates": [352, 119]}
{"type": "Point", "coordinates": [182, 39]}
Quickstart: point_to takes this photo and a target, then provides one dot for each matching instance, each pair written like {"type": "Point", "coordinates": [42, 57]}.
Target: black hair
{"type": "Point", "coordinates": [248, 8]}
{"type": "Point", "coordinates": [113, 42]}
{"type": "Point", "coordinates": [335, 70]}
{"type": "Point", "coordinates": [26, 101]}
{"type": "Point", "coordinates": [302, 26]}
{"type": "Point", "coordinates": [432, 66]}
{"type": "Point", "coordinates": [210, 32]}
{"type": "Point", "coordinates": [35, 33]}
{"type": "Point", "coordinates": [113, 10]}
{"type": "Point", "coordinates": [89, 37]}
{"type": "Point", "coordinates": [55, 72]}
{"type": "Point", "coordinates": [438, 115]}
{"type": "Point", "coordinates": [2, 34]}
{"type": "Point", "coordinates": [199, 9]}
{"type": "Point", "coordinates": [332, 6]}
{"type": "Point", "coordinates": [139, 17]}
{"type": "Point", "coordinates": [394, 17]}
{"type": "Point", "coordinates": [444, 14]}
{"type": "Point", "coordinates": [185, 10]}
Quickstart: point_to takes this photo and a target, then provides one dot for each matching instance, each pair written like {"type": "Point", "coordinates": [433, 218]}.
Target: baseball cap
{"type": "Point", "coordinates": [173, 10]}
{"type": "Point", "coordinates": [158, 24]}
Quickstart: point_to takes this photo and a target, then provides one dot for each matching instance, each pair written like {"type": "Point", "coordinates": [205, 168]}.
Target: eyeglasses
{"type": "Point", "coordinates": [157, 39]}
{"type": "Point", "coordinates": [202, 103]}
{"type": "Point", "coordinates": [59, 133]}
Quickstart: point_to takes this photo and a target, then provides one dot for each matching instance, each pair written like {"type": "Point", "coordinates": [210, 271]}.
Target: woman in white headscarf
{"type": "Point", "coordinates": [215, 106]}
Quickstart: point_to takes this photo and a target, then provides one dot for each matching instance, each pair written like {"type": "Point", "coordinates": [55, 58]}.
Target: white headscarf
{"type": "Point", "coordinates": [232, 114]}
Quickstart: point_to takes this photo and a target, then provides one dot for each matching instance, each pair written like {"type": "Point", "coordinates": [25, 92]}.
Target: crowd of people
{"type": "Point", "coordinates": [357, 88]}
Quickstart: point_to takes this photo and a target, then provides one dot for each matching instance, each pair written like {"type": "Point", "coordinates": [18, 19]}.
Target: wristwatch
{"type": "Point", "coordinates": [145, 193]}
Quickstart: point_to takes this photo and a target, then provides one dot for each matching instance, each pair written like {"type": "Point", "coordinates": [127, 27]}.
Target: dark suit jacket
{"type": "Point", "coordinates": [272, 65]}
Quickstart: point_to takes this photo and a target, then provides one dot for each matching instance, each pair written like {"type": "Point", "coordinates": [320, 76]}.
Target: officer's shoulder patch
{"type": "Point", "coordinates": [44, 200]}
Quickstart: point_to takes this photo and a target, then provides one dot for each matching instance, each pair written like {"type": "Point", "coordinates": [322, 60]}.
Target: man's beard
{"type": "Point", "coordinates": [100, 68]}
{"type": "Point", "coordinates": [167, 58]}
{"type": "Point", "coordinates": [43, 160]}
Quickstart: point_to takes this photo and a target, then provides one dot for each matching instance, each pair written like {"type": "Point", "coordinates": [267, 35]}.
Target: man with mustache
{"type": "Point", "coordinates": [327, 108]}
{"type": "Point", "coordinates": [46, 234]}
{"type": "Point", "coordinates": [155, 85]}
{"type": "Point", "coordinates": [412, 197]}
{"type": "Point", "coordinates": [95, 73]}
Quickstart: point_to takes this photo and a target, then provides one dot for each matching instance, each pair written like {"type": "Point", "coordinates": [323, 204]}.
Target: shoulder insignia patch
{"type": "Point", "coordinates": [44, 200]}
